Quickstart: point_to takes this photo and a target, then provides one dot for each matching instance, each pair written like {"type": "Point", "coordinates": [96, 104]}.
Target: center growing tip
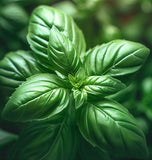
{"type": "Point", "coordinates": [76, 83]}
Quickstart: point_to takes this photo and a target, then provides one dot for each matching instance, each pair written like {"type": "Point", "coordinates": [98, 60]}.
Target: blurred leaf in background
{"type": "Point", "coordinates": [13, 28]}
{"type": "Point", "coordinates": [7, 141]}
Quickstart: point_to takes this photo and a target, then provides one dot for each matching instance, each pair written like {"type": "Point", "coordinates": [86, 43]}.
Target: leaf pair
{"type": "Point", "coordinates": [95, 88]}
{"type": "Point", "coordinates": [53, 33]}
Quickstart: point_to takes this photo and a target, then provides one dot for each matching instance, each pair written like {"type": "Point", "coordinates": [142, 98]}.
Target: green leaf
{"type": "Point", "coordinates": [101, 86]}
{"type": "Point", "coordinates": [80, 98]}
{"type": "Point", "coordinates": [146, 97]}
{"type": "Point", "coordinates": [88, 5]}
{"type": "Point", "coordinates": [16, 67]}
{"type": "Point", "coordinates": [68, 7]}
{"type": "Point", "coordinates": [107, 125]}
{"type": "Point", "coordinates": [116, 58]}
{"type": "Point", "coordinates": [42, 21]}
{"type": "Point", "coordinates": [63, 56]}
{"type": "Point", "coordinates": [80, 75]}
{"type": "Point", "coordinates": [54, 139]}
{"type": "Point", "coordinates": [40, 97]}
{"type": "Point", "coordinates": [6, 138]}
{"type": "Point", "coordinates": [13, 17]}
{"type": "Point", "coordinates": [75, 81]}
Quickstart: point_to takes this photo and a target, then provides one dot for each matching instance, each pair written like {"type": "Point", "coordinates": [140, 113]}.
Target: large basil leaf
{"type": "Point", "coordinates": [116, 58]}
{"type": "Point", "coordinates": [107, 125]}
{"type": "Point", "coordinates": [42, 20]}
{"type": "Point", "coordinates": [63, 56]}
{"type": "Point", "coordinates": [54, 139]}
{"type": "Point", "coordinates": [101, 86]}
{"type": "Point", "coordinates": [40, 97]}
{"type": "Point", "coordinates": [16, 67]}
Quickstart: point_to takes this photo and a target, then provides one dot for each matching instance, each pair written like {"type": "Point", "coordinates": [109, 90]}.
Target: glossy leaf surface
{"type": "Point", "coordinates": [102, 86]}
{"type": "Point", "coordinates": [116, 58]}
{"type": "Point", "coordinates": [80, 98]}
{"type": "Point", "coordinates": [16, 67]}
{"type": "Point", "coordinates": [63, 56]}
{"type": "Point", "coordinates": [42, 21]}
{"type": "Point", "coordinates": [107, 125]}
{"type": "Point", "coordinates": [40, 97]}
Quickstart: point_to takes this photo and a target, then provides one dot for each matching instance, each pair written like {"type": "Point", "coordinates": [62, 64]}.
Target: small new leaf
{"type": "Point", "coordinates": [107, 125]}
{"type": "Point", "coordinates": [63, 56]}
{"type": "Point", "coordinates": [80, 98]}
{"type": "Point", "coordinates": [40, 97]}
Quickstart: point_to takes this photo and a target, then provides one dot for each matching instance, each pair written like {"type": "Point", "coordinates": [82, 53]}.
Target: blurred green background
{"type": "Point", "coordinates": [101, 21]}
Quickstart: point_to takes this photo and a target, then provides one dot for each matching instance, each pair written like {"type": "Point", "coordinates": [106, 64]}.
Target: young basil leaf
{"type": "Point", "coordinates": [54, 139]}
{"type": "Point", "coordinates": [116, 58]}
{"type": "Point", "coordinates": [63, 56]}
{"type": "Point", "coordinates": [40, 97]}
{"type": "Point", "coordinates": [80, 97]}
{"type": "Point", "coordinates": [80, 75]}
{"type": "Point", "coordinates": [42, 20]}
{"type": "Point", "coordinates": [16, 67]}
{"type": "Point", "coordinates": [101, 86]}
{"type": "Point", "coordinates": [107, 125]}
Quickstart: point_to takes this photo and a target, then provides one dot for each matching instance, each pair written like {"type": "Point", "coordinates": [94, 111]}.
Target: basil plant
{"type": "Point", "coordinates": [62, 91]}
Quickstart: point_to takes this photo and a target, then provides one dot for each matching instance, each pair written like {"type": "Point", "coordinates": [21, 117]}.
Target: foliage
{"type": "Point", "coordinates": [61, 90]}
